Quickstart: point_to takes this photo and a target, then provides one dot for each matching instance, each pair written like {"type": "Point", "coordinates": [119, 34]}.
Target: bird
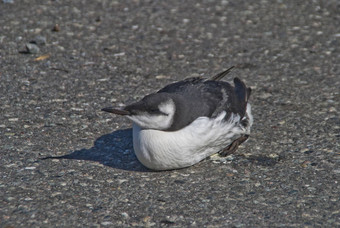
{"type": "Point", "coordinates": [188, 121]}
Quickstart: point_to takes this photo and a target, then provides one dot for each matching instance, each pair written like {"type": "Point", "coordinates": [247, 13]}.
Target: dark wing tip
{"type": "Point", "coordinates": [243, 93]}
{"type": "Point", "coordinates": [116, 111]}
{"type": "Point", "coordinates": [238, 81]}
{"type": "Point", "coordinates": [219, 76]}
{"type": "Point", "coordinates": [248, 93]}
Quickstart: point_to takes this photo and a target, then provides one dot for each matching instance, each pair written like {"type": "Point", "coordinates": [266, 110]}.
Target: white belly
{"type": "Point", "coordinates": [162, 150]}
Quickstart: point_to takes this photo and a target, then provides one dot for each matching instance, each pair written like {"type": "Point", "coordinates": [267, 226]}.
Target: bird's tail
{"type": "Point", "coordinates": [242, 93]}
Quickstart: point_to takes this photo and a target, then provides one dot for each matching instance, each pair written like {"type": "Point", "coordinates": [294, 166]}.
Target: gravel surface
{"type": "Point", "coordinates": [95, 53]}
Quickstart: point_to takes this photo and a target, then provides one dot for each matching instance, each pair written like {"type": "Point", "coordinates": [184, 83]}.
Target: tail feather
{"type": "Point", "coordinates": [240, 90]}
{"type": "Point", "coordinates": [248, 93]}
{"type": "Point", "coordinates": [242, 93]}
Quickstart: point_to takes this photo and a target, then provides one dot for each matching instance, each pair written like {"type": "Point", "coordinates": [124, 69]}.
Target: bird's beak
{"type": "Point", "coordinates": [116, 111]}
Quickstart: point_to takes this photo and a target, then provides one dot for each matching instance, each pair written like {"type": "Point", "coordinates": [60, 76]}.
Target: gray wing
{"type": "Point", "coordinates": [196, 97]}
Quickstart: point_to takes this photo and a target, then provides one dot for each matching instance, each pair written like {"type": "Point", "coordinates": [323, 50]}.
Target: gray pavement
{"type": "Point", "coordinates": [101, 53]}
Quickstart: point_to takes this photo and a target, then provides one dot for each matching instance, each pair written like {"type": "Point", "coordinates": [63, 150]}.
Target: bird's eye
{"type": "Point", "coordinates": [154, 111]}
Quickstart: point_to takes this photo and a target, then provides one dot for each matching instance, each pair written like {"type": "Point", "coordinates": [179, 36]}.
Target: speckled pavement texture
{"type": "Point", "coordinates": [86, 55]}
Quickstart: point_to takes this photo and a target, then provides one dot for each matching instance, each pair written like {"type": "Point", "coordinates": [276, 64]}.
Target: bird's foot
{"type": "Point", "coordinates": [233, 146]}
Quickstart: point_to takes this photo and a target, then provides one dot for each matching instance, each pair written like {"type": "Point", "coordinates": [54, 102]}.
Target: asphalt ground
{"type": "Point", "coordinates": [87, 55]}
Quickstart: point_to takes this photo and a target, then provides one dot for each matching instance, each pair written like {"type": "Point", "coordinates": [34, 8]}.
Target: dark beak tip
{"type": "Point", "coordinates": [116, 111]}
{"type": "Point", "coordinates": [105, 109]}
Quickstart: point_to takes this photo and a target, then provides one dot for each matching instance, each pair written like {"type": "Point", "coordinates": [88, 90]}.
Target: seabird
{"type": "Point", "coordinates": [187, 121]}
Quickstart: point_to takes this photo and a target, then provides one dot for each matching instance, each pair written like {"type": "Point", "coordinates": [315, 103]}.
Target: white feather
{"type": "Point", "coordinates": [162, 150]}
{"type": "Point", "coordinates": [159, 122]}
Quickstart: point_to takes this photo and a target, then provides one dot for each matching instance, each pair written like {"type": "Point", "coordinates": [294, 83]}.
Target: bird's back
{"type": "Point", "coordinates": [199, 97]}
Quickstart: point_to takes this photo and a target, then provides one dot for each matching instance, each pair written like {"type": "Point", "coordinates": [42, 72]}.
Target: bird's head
{"type": "Point", "coordinates": [155, 111]}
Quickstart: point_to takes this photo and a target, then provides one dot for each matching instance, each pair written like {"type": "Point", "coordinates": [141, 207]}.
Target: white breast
{"type": "Point", "coordinates": [162, 150]}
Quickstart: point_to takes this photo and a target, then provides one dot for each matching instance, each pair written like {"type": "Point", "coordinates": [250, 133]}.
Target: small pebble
{"type": "Point", "coordinates": [32, 48]}
{"type": "Point", "coordinates": [121, 181]}
{"type": "Point", "coordinates": [185, 20]}
{"type": "Point", "coordinates": [125, 215]}
{"type": "Point", "coordinates": [170, 219]}
{"type": "Point", "coordinates": [39, 40]}
{"type": "Point", "coordinates": [264, 95]}
{"type": "Point", "coordinates": [56, 194]}
{"type": "Point", "coordinates": [56, 28]}
{"type": "Point", "coordinates": [119, 54]}
{"type": "Point", "coordinates": [10, 198]}
{"type": "Point", "coordinates": [273, 156]}
{"type": "Point", "coordinates": [161, 76]}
